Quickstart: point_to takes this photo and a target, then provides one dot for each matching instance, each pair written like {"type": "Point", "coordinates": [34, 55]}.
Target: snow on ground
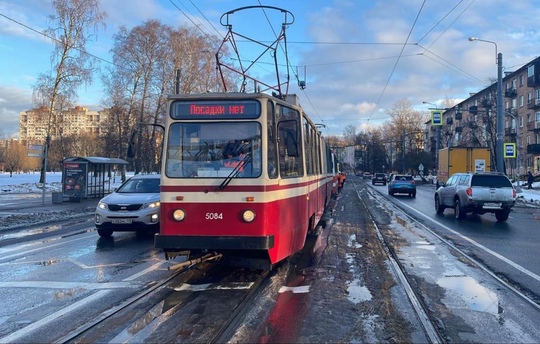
{"type": "Point", "coordinates": [29, 182]}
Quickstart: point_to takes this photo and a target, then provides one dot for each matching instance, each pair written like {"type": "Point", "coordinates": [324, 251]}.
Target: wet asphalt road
{"type": "Point", "coordinates": [91, 273]}
{"type": "Point", "coordinates": [509, 248]}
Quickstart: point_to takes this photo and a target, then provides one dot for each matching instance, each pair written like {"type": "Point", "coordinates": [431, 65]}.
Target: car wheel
{"type": "Point", "coordinates": [105, 233]}
{"type": "Point", "coordinates": [391, 193]}
{"type": "Point", "coordinates": [459, 212]}
{"type": "Point", "coordinates": [413, 195]}
{"type": "Point", "coordinates": [502, 215]}
{"type": "Point", "coordinates": [438, 207]}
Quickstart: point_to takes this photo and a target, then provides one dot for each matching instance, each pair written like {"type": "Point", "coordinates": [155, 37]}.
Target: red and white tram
{"type": "Point", "coordinates": [247, 175]}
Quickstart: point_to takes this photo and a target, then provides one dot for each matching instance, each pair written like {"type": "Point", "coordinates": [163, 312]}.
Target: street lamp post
{"type": "Point", "coordinates": [500, 136]}
{"type": "Point", "coordinates": [517, 150]}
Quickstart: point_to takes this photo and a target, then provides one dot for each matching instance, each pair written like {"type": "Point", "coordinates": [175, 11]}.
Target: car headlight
{"type": "Point", "coordinates": [151, 205]}
{"type": "Point", "coordinates": [179, 215]}
{"type": "Point", "coordinates": [248, 215]}
{"type": "Point", "coordinates": [103, 205]}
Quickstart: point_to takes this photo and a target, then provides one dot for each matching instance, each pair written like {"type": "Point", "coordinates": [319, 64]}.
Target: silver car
{"type": "Point", "coordinates": [134, 206]}
{"type": "Point", "coordinates": [478, 193]}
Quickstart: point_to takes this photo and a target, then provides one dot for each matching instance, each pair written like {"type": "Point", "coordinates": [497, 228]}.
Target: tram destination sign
{"type": "Point", "coordinates": [215, 109]}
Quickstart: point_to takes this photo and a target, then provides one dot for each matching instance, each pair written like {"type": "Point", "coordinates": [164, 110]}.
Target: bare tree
{"type": "Point", "coordinates": [14, 156]}
{"type": "Point", "coordinates": [404, 132]}
{"type": "Point", "coordinates": [349, 134]}
{"type": "Point", "coordinates": [151, 60]}
{"type": "Point", "coordinates": [75, 24]}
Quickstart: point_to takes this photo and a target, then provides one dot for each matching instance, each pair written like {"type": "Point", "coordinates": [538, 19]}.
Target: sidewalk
{"type": "Point", "coordinates": [35, 203]}
{"type": "Point", "coordinates": [20, 210]}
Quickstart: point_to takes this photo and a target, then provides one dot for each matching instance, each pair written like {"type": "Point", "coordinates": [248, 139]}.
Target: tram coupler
{"type": "Point", "coordinates": [191, 262]}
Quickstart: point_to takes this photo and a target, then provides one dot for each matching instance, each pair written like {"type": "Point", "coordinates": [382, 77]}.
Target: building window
{"type": "Point", "coordinates": [520, 101]}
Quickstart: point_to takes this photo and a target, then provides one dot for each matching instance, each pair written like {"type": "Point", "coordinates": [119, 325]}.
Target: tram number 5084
{"type": "Point", "coordinates": [213, 216]}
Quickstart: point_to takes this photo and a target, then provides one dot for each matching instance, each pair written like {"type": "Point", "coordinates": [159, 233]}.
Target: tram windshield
{"type": "Point", "coordinates": [212, 150]}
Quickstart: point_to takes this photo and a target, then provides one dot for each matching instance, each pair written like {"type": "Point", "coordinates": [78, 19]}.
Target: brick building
{"type": "Point", "coordinates": [472, 122]}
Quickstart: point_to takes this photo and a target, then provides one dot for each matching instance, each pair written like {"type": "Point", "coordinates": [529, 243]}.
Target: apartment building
{"type": "Point", "coordinates": [75, 121]}
{"type": "Point", "coordinates": [473, 122]}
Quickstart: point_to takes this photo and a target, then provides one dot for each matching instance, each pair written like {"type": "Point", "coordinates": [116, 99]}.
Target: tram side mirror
{"type": "Point", "coordinates": [132, 144]}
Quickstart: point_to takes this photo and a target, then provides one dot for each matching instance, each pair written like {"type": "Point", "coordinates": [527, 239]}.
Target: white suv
{"type": "Point", "coordinates": [478, 193]}
{"type": "Point", "coordinates": [134, 206]}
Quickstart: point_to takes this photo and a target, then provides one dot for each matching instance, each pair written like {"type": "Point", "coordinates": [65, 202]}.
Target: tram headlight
{"type": "Point", "coordinates": [248, 215]}
{"type": "Point", "coordinates": [179, 215]}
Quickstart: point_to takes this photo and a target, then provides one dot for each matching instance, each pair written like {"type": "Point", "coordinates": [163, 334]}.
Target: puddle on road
{"type": "Point", "coordinates": [477, 297]}
{"type": "Point", "coordinates": [357, 292]}
{"type": "Point", "coordinates": [352, 242]}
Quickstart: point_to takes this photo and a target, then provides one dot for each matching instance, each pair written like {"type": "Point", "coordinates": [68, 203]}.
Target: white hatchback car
{"type": "Point", "coordinates": [134, 206]}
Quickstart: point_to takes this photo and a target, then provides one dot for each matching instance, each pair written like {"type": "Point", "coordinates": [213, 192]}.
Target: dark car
{"type": "Point", "coordinates": [134, 206]}
{"type": "Point", "coordinates": [478, 193]}
{"type": "Point", "coordinates": [378, 178]}
{"type": "Point", "coordinates": [401, 183]}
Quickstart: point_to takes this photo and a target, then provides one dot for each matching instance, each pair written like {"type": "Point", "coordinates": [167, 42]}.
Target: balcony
{"type": "Point", "coordinates": [533, 81]}
{"type": "Point", "coordinates": [534, 104]}
{"type": "Point", "coordinates": [509, 131]}
{"type": "Point", "coordinates": [510, 93]}
{"type": "Point", "coordinates": [533, 126]}
{"type": "Point", "coordinates": [487, 103]}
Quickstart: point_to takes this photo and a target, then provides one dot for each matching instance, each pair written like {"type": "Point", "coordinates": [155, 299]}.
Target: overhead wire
{"type": "Point", "coordinates": [54, 39]}
{"type": "Point", "coordinates": [397, 61]}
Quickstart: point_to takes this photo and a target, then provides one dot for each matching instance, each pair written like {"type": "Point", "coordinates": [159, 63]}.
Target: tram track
{"type": "Point", "coordinates": [416, 300]}
{"type": "Point", "coordinates": [428, 306]}
{"type": "Point", "coordinates": [528, 299]}
{"type": "Point", "coordinates": [197, 303]}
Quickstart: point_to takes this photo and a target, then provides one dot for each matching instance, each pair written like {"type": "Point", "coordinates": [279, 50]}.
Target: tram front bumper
{"type": "Point", "coordinates": [213, 242]}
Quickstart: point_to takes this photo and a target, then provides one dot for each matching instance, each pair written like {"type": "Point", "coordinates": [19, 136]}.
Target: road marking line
{"type": "Point", "coordinates": [17, 335]}
{"type": "Point", "coordinates": [67, 285]}
{"type": "Point", "coordinates": [480, 246]}
{"type": "Point", "coordinates": [296, 290]}
{"type": "Point", "coordinates": [212, 286]}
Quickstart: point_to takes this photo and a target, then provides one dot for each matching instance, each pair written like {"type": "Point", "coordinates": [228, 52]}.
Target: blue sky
{"type": "Point", "coordinates": [357, 61]}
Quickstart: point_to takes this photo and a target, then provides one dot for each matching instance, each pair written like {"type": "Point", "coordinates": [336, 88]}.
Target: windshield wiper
{"type": "Point", "coordinates": [241, 164]}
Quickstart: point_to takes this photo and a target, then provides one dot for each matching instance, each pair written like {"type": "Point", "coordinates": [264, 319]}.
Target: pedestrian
{"type": "Point", "coordinates": [341, 181]}
{"type": "Point", "coordinates": [530, 180]}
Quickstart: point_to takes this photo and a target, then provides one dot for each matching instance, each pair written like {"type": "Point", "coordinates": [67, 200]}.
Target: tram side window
{"type": "Point", "coordinates": [290, 161]}
{"type": "Point", "coordinates": [308, 147]}
{"type": "Point", "coordinates": [272, 140]}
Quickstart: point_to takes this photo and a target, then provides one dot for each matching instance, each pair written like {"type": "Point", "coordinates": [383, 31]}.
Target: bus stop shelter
{"type": "Point", "coordinates": [87, 177]}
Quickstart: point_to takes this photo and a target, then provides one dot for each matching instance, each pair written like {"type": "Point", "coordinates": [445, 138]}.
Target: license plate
{"type": "Point", "coordinates": [121, 221]}
{"type": "Point", "coordinates": [492, 205]}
